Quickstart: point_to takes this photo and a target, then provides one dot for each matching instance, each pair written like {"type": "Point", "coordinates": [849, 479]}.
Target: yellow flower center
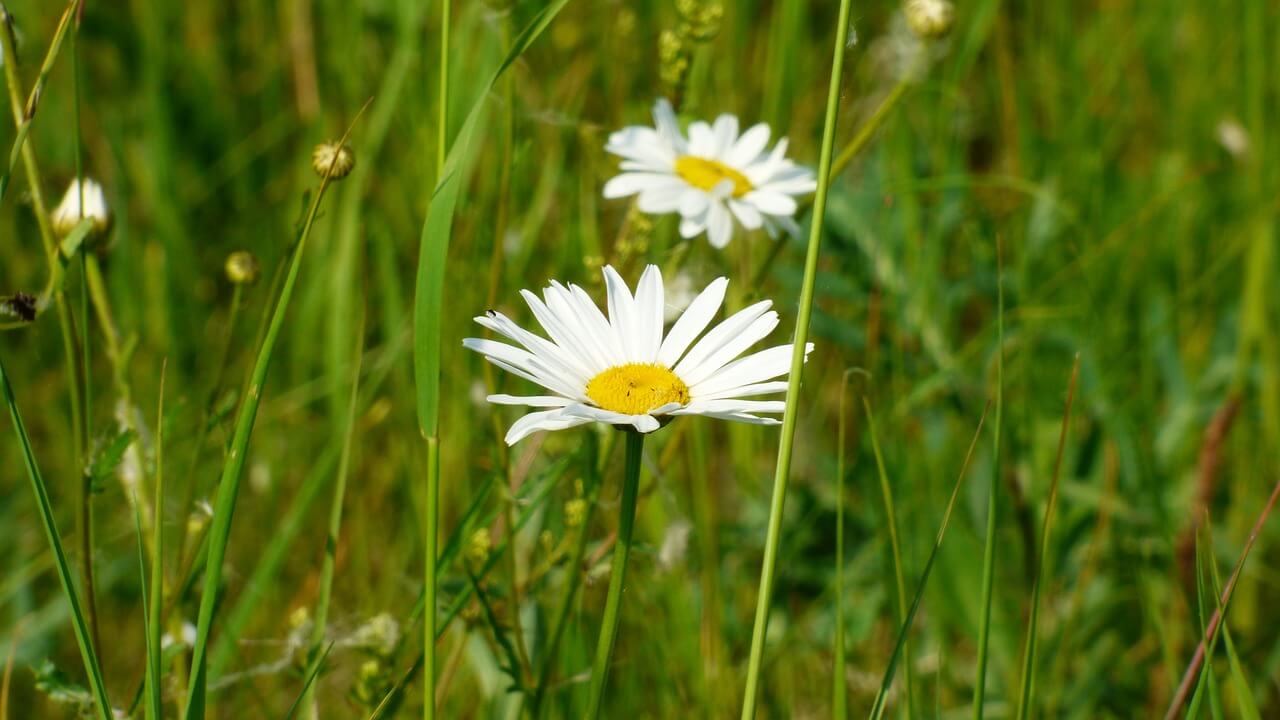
{"type": "Point", "coordinates": [706, 174]}
{"type": "Point", "coordinates": [636, 388]}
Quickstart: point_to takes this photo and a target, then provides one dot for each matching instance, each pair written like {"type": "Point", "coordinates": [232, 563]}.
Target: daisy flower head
{"type": "Point", "coordinates": [626, 369]}
{"type": "Point", "coordinates": [714, 175]}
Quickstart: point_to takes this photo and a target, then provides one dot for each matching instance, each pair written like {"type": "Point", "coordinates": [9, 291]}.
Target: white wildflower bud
{"type": "Point", "coordinates": [70, 212]}
{"type": "Point", "coordinates": [929, 19]}
{"type": "Point", "coordinates": [333, 160]}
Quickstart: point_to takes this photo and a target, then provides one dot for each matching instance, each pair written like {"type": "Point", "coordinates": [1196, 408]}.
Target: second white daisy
{"type": "Point", "coordinates": [623, 370]}
{"type": "Point", "coordinates": [709, 178]}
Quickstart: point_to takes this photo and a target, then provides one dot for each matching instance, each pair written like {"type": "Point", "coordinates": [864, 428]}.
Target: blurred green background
{"type": "Point", "coordinates": [1117, 151]}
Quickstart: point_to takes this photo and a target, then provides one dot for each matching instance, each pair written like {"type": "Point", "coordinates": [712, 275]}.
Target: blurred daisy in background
{"type": "Point", "coordinates": [624, 370]}
{"type": "Point", "coordinates": [709, 178]}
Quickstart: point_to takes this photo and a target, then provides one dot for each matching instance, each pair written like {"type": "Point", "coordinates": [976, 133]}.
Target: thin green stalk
{"type": "Point", "coordinates": [839, 693]}
{"type": "Point", "coordinates": [1029, 652]}
{"type": "Point", "coordinates": [432, 510]}
{"type": "Point", "coordinates": [891, 516]}
{"type": "Point", "coordinates": [78, 623]}
{"type": "Point", "coordinates": [989, 552]}
{"type": "Point", "coordinates": [229, 486]}
{"type": "Point", "coordinates": [882, 696]}
{"type": "Point", "coordinates": [154, 676]}
{"type": "Point", "coordinates": [783, 471]}
{"type": "Point", "coordinates": [617, 573]}
{"type": "Point", "coordinates": [335, 512]}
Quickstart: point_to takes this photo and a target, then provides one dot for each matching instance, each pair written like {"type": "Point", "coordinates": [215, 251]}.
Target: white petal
{"type": "Point", "coordinates": [564, 330]}
{"type": "Point", "coordinates": [643, 423]}
{"type": "Point", "coordinates": [692, 322]}
{"type": "Point", "coordinates": [694, 204]}
{"type": "Point", "coordinates": [503, 325]}
{"type": "Point", "coordinates": [530, 400]}
{"type": "Point", "coordinates": [611, 344]}
{"type": "Point", "coordinates": [749, 146]}
{"type": "Point", "coordinates": [526, 365]}
{"type": "Point", "coordinates": [545, 420]}
{"type": "Point", "coordinates": [692, 227]}
{"type": "Point", "coordinates": [719, 226]}
{"type": "Point", "coordinates": [736, 345]}
{"type": "Point", "coordinates": [665, 120]}
{"type": "Point", "coordinates": [726, 133]}
{"type": "Point", "coordinates": [589, 339]}
{"type": "Point", "coordinates": [649, 311]}
{"type": "Point", "coordinates": [746, 214]}
{"type": "Point", "coordinates": [633, 182]}
{"type": "Point", "coordinates": [664, 199]}
{"type": "Point", "coordinates": [771, 203]}
{"type": "Point", "coordinates": [643, 145]}
{"type": "Point", "coordinates": [764, 388]}
{"type": "Point", "coordinates": [754, 368]}
{"type": "Point", "coordinates": [702, 140]}
{"type": "Point", "coordinates": [720, 335]}
{"type": "Point", "coordinates": [732, 406]}
{"type": "Point", "coordinates": [621, 312]}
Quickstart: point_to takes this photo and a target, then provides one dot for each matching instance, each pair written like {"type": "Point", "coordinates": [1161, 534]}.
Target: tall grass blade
{"type": "Point", "coordinates": [229, 485]}
{"type": "Point", "coordinates": [78, 623]}
{"type": "Point", "coordinates": [312, 673]}
{"type": "Point", "coordinates": [1248, 709]}
{"type": "Point", "coordinates": [891, 517]}
{"type": "Point", "coordinates": [154, 597]}
{"type": "Point", "coordinates": [1029, 653]}
{"type": "Point", "coordinates": [782, 472]}
{"type": "Point", "coordinates": [993, 507]}
{"type": "Point", "coordinates": [428, 301]}
{"type": "Point", "coordinates": [839, 692]}
{"type": "Point", "coordinates": [1207, 676]}
{"type": "Point", "coordinates": [882, 695]}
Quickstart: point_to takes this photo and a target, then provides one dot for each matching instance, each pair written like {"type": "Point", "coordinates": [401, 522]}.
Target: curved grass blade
{"type": "Point", "coordinates": [229, 485]}
{"type": "Point", "coordinates": [877, 707]}
{"type": "Point", "coordinates": [886, 492]}
{"type": "Point", "coordinates": [1244, 696]}
{"type": "Point", "coordinates": [1029, 652]}
{"type": "Point", "coordinates": [312, 674]}
{"type": "Point", "coordinates": [1210, 637]}
{"type": "Point", "coordinates": [78, 623]}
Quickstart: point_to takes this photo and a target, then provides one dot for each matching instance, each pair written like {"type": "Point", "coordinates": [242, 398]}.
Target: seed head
{"type": "Point", "coordinates": [575, 511]}
{"type": "Point", "coordinates": [242, 268]}
{"type": "Point", "coordinates": [69, 211]}
{"type": "Point", "coordinates": [929, 19]}
{"type": "Point", "coordinates": [333, 160]}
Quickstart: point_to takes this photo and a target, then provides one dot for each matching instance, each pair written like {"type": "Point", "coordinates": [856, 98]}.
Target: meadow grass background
{"type": "Point", "coordinates": [1120, 151]}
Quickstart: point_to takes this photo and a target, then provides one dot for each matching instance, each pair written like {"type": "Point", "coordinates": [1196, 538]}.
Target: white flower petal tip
{"type": "Point", "coordinates": [711, 177]}
{"type": "Point", "coordinates": [626, 368]}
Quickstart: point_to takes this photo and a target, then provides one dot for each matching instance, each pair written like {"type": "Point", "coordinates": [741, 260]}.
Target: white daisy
{"type": "Point", "coordinates": [714, 173]}
{"type": "Point", "coordinates": [623, 370]}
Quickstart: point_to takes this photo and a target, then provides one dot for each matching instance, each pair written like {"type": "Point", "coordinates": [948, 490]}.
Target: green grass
{"type": "Point", "coordinates": [1099, 144]}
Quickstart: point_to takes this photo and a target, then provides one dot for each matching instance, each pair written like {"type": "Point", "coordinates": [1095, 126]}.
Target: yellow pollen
{"type": "Point", "coordinates": [706, 174]}
{"type": "Point", "coordinates": [636, 388]}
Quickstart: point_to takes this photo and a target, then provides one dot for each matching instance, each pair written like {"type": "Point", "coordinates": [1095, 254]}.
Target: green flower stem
{"type": "Point", "coordinates": [790, 416]}
{"type": "Point", "coordinates": [229, 486]}
{"type": "Point", "coordinates": [617, 574]}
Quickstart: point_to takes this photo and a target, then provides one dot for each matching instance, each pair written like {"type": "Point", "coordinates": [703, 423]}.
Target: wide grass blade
{"type": "Point", "coordinates": [428, 301]}
{"type": "Point", "coordinates": [229, 485]}
{"type": "Point", "coordinates": [886, 493]}
{"type": "Point", "coordinates": [1029, 653]}
{"type": "Point", "coordinates": [878, 706]}
{"type": "Point", "coordinates": [78, 623]}
{"type": "Point", "coordinates": [782, 472]}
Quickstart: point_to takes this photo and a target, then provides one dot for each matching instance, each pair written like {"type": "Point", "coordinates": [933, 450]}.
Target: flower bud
{"type": "Point", "coordinates": [242, 268]}
{"type": "Point", "coordinates": [929, 19]}
{"type": "Point", "coordinates": [69, 212]}
{"type": "Point", "coordinates": [480, 545]}
{"type": "Point", "coordinates": [333, 160]}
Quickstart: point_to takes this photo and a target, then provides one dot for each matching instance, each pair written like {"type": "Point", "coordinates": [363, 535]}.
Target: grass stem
{"type": "Point", "coordinates": [783, 470]}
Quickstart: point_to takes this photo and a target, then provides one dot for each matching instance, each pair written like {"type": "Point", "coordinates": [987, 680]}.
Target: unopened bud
{"type": "Point", "coordinates": [479, 546]}
{"type": "Point", "coordinates": [929, 19]}
{"type": "Point", "coordinates": [242, 268]}
{"type": "Point", "coordinates": [575, 511]}
{"type": "Point", "coordinates": [333, 160]}
{"type": "Point", "coordinates": [70, 211]}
